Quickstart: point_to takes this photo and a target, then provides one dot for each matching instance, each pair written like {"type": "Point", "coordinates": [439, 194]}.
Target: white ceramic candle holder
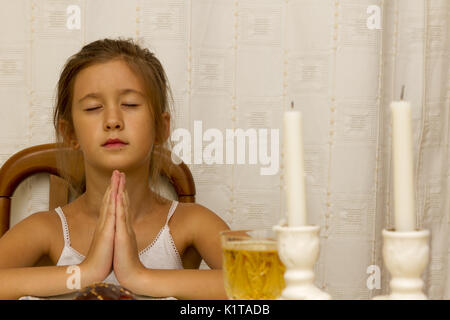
{"type": "Point", "coordinates": [406, 256]}
{"type": "Point", "coordinates": [298, 249]}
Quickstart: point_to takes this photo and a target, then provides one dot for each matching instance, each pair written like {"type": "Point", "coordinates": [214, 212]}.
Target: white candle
{"type": "Point", "coordinates": [294, 172]}
{"type": "Point", "coordinates": [405, 219]}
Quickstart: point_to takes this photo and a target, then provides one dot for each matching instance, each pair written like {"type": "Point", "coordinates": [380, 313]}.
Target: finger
{"type": "Point", "coordinates": [105, 204]}
{"type": "Point", "coordinates": [115, 183]}
{"type": "Point", "coordinates": [121, 182]}
{"type": "Point", "coordinates": [126, 199]}
{"type": "Point", "coordinates": [112, 202]}
{"type": "Point", "coordinates": [126, 202]}
{"type": "Point", "coordinates": [126, 210]}
{"type": "Point", "coordinates": [105, 196]}
{"type": "Point", "coordinates": [120, 214]}
{"type": "Point", "coordinates": [111, 208]}
{"type": "Point", "coordinates": [111, 185]}
{"type": "Point", "coordinates": [124, 189]}
{"type": "Point", "coordinates": [120, 189]}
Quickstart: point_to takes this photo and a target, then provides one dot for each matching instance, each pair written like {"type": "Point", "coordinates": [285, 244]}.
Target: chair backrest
{"type": "Point", "coordinates": [43, 158]}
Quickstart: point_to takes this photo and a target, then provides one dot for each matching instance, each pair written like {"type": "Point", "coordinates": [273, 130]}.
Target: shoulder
{"type": "Point", "coordinates": [42, 219]}
{"type": "Point", "coordinates": [197, 212]}
{"type": "Point", "coordinates": [48, 219]}
{"type": "Point", "coordinates": [47, 223]}
{"type": "Point", "coordinates": [199, 219]}
{"type": "Point", "coordinates": [27, 241]}
{"type": "Point", "coordinates": [50, 227]}
{"type": "Point", "coordinates": [42, 224]}
{"type": "Point", "coordinates": [202, 228]}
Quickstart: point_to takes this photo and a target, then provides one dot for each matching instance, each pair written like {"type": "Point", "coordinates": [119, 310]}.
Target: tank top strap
{"type": "Point", "coordinates": [64, 226]}
{"type": "Point", "coordinates": [171, 210]}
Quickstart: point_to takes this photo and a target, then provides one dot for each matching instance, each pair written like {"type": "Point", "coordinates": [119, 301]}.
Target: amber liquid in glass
{"type": "Point", "coordinates": [252, 270]}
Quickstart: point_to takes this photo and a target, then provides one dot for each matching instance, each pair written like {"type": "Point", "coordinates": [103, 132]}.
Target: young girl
{"type": "Point", "coordinates": [112, 106]}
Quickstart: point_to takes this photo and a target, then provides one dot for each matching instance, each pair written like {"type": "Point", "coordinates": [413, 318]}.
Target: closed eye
{"type": "Point", "coordinates": [128, 105]}
{"type": "Point", "coordinates": [92, 109]}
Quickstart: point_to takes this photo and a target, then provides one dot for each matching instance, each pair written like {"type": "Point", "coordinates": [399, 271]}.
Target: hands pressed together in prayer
{"type": "Point", "coordinates": [114, 248]}
{"type": "Point", "coordinates": [126, 258]}
{"type": "Point", "coordinates": [114, 245]}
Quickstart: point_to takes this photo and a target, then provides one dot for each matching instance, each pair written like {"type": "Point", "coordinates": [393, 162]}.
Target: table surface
{"type": "Point", "coordinates": [71, 296]}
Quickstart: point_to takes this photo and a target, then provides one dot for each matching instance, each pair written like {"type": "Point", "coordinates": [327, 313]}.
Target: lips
{"type": "Point", "coordinates": [114, 142]}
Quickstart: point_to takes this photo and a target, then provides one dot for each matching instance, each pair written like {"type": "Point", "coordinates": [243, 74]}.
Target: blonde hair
{"type": "Point", "coordinates": [146, 66]}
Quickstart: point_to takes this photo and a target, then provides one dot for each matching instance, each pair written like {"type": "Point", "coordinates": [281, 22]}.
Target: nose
{"type": "Point", "coordinates": [113, 121]}
{"type": "Point", "coordinates": [113, 124]}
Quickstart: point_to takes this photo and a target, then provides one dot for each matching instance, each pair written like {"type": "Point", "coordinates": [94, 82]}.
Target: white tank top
{"type": "Point", "coordinates": [160, 254]}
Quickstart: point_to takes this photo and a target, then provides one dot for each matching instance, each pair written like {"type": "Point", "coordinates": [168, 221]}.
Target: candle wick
{"type": "Point", "coordinates": [292, 104]}
{"type": "Point", "coordinates": [403, 92]}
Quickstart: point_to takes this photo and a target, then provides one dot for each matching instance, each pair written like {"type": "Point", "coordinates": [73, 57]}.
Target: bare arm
{"type": "Point", "coordinates": [181, 284]}
{"type": "Point", "coordinates": [20, 248]}
{"type": "Point", "coordinates": [38, 281]}
{"type": "Point", "coordinates": [204, 226]}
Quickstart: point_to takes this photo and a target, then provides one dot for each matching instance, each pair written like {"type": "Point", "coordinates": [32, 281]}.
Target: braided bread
{"type": "Point", "coordinates": [104, 291]}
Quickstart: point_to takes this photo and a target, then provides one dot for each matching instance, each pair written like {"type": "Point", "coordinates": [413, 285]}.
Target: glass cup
{"type": "Point", "coordinates": [251, 266]}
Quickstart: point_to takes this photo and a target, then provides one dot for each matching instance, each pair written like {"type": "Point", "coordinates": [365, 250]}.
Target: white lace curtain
{"type": "Point", "coordinates": [239, 64]}
{"type": "Point", "coordinates": [350, 131]}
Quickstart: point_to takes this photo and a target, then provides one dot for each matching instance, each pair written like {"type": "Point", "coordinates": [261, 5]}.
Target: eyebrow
{"type": "Point", "coordinates": [121, 93]}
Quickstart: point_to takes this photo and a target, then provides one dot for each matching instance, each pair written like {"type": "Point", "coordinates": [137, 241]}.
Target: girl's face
{"type": "Point", "coordinates": [109, 103]}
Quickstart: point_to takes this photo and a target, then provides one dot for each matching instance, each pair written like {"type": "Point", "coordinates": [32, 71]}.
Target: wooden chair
{"type": "Point", "coordinates": [42, 158]}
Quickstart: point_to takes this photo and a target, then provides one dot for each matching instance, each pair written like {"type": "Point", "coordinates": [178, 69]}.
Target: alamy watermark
{"type": "Point", "coordinates": [73, 21]}
{"type": "Point", "coordinates": [374, 279]}
{"type": "Point", "coordinates": [374, 20]}
{"type": "Point", "coordinates": [213, 152]}
{"type": "Point", "coordinates": [74, 280]}
{"type": "Point", "coordinates": [73, 13]}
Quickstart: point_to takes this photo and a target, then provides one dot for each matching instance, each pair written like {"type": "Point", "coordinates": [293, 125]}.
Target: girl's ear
{"type": "Point", "coordinates": [166, 117]}
{"type": "Point", "coordinates": [66, 131]}
{"type": "Point", "coordinates": [166, 127]}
